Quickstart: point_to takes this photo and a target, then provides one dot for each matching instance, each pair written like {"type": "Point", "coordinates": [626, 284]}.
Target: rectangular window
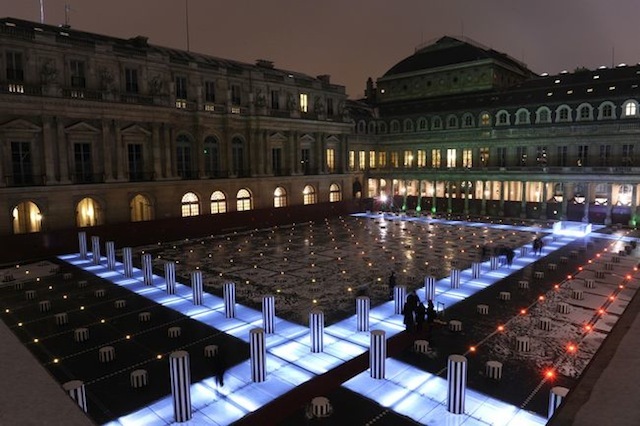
{"type": "Point", "coordinates": [305, 160]}
{"type": "Point", "coordinates": [583, 156]}
{"type": "Point", "coordinates": [362, 160]}
{"type": "Point", "coordinates": [541, 156]}
{"type": "Point", "coordinates": [484, 157]}
{"type": "Point", "coordinates": [382, 159]}
{"type": "Point", "coordinates": [451, 158]}
{"type": "Point", "coordinates": [82, 162]}
{"type": "Point", "coordinates": [210, 91]}
{"type": "Point", "coordinates": [136, 170]}
{"type": "Point", "coordinates": [237, 159]}
{"type": "Point", "coordinates": [467, 158]}
{"type": "Point", "coordinates": [181, 87]}
{"type": "Point", "coordinates": [329, 106]}
{"type": "Point", "coordinates": [236, 96]}
{"type": "Point", "coordinates": [435, 158]}
{"type": "Point", "coordinates": [627, 155]}
{"type": "Point", "coordinates": [211, 160]}
{"type": "Point", "coordinates": [15, 67]}
{"type": "Point", "coordinates": [276, 161]}
{"type": "Point", "coordinates": [372, 159]}
{"type": "Point", "coordinates": [521, 154]}
{"type": "Point", "coordinates": [131, 80]}
{"type": "Point", "coordinates": [275, 99]}
{"type": "Point", "coordinates": [502, 156]}
{"type": "Point", "coordinates": [77, 74]}
{"type": "Point", "coordinates": [183, 162]}
{"type": "Point", "coordinates": [394, 159]}
{"type": "Point", "coordinates": [408, 159]}
{"type": "Point", "coordinates": [352, 160]}
{"type": "Point", "coordinates": [304, 102]}
{"type": "Point", "coordinates": [562, 156]}
{"type": "Point", "coordinates": [21, 162]}
{"type": "Point", "coordinates": [331, 160]}
{"type": "Point", "coordinates": [422, 158]}
{"type": "Point", "coordinates": [605, 155]}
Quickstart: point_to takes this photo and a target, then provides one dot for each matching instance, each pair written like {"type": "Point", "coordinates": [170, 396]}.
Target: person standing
{"type": "Point", "coordinates": [431, 316]}
{"type": "Point", "coordinates": [219, 367]}
{"type": "Point", "coordinates": [408, 313]}
{"type": "Point", "coordinates": [392, 284]}
{"type": "Point", "coordinates": [420, 312]}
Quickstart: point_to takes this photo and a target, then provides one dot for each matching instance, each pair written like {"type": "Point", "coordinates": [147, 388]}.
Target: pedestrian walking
{"type": "Point", "coordinates": [219, 367]}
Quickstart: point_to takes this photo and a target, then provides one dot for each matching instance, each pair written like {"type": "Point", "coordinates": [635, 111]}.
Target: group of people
{"type": "Point", "coordinates": [508, 253]}
{"type": "Point", "coordinates": [415, 314]}
{"type": "Point", "coordinates": [537, 246]}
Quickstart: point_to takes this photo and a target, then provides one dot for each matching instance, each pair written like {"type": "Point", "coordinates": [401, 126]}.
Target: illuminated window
{"type": "Point", "coordinates": [140, 209]}
{"type": "Point", "coordinates": [26, 218]}
{"type": "Point", "coordinates": [362, 160]}
{"type": "Point", "coordinates": [422, 158]}
{"type": "Point", "coordinates": [88, 213]}
{"type": "Point", "coordinates": [280, 197]}
{"type": "Point", "coordinates": [467, 158]}
{"type": "Point", "coordinates": [630, 109]}
{"type": "Point", "coordinates": [309, 195]}
{"type": "Point", "coordinates": [382, 159]}
{"type": "Point", "coordinates": [451, 158]}
{"type": "Point", "coordinates": [541, 155]}
{"type": "Point", "coordinates": [394, 159]}
{"type": "Point", "coordinates": [485, 119]}
{"type": "Point", "coordinates": [484, 156]}
{"type": "Point", "coordinates": [408, 159]}
{"type": "Point", "coordinates": [352, 160]}
{"type": "Point", "coordinates": [372, 159]}
{"type": "Point", "coordinates": [218, 202]}
{"type": "Point", "coordinates": [190, 205]}
{"type": "Point", "coordinates": [331, 159]}
{"type": "Point", "coordinates": [243, 200]}
{"type": "Point", "coordinates": [304, 102]}
{"type": "Point", "coordinates": [435, 158]}
{"type": "Point", "coordinates": [335, 194]}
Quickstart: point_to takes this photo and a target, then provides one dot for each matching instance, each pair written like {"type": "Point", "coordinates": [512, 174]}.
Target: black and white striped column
{"type": "Point", "coordinates": [170, 277]}
{"type": "Point", "coordinates": [258, 352]}
{"type": "Point", "coordinates": [455, 278]}
{"type": "Point", "coordinates": [457, 383]}
{"type": "Point", "coordinates": [95, 249]}
{"type": "Point", "coordinates": [82, 244]}
{"type": "Point", "coordinates": [269, 314]}
{"type": "Point", "coordinates": [378, 354]}
{"type": "Point", "coordinates": [399, 296]}
{"type": "Point", "coordinates": [196, 287]}
{"type": "Point", "coordinates": [180, 385]}
{"type": "Point", "coordinates": [110, 247]}
{"type": "Point", "coordinates": [430, 287]}
{"type": "Point", "coordinates": [495, 262]}
{"type": "Point", "coordinates": [316, 330]}
{"type": "Point", "coordinates": [229, 295]}
{"type": "Point", "coordinates": [362, 313]}
{"type": "Point", "coordinates": [476, 269]}
{"type": "Point", "coordinates": [556, 396]}
{"type": "Point", "coordinates": [147, 269]}
{"type": "Point", "coordinates": [75, 389]}
{"type": "Point", "coordinates": [127, 261]}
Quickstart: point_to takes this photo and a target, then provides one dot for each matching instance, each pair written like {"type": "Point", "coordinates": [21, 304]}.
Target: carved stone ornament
{"type": "Point", "coordinates": [318, 105]}
{"type": "Point", "coordinates": [155, 85]}
{"type": "Point", "coordinates": [105, 76]}
{"type": "Point", "coordinates": [261, 99]}
{"type": "Point", "coordinates": [291, 102]}
{"type": "Point", "coordinates": [48, 72]}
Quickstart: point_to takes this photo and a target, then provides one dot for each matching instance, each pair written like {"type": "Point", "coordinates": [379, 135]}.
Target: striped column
{"type": "Point", "coordinates": [180, 385]}
{"type": "Point", "coordinates": [75, 389]}
{"type": "Point", "coordinates": [399, 296]}
{"type": "Point", "coordinates": [258, 355]}
{"type": "Point", "coordinates": [362, 313]}
{"type": "Point", "coordinates": [556, 396]}
{"type": "Point", "coordinates": [95, 249]}
{"type": "Point", "coordinates": [269, 314]}
{"type": "Point", "coordinates": [82, 244]}
{"type": "Point", "coordinates": [476, 268]}
{"type": "Point", "coordinates": [430, 287]}
{"type": "Point", "coordinates": [229, 295]}
{"type": "Point", "coordinates": [457, 383]}
{"type": "Point", "coordinates": [316, 330]}
{"type": "Point", "coordinates": [378, 354]}
{"type": "Point", "coordinates": [455, 278]}
{"type": "Point", "coordinates": [147, 269]}
{"type": "Point", "coordinates": [170, 277]}
{"type": "Point", "coordinates": [523, 251]}
{"type": "Point", "coordinates": [127, 261]}
{"type": "Point", "coordinates": [196, 287]}
{"type": "Point", "coordinates": [111, 255]}
{"type": "Point", "coordinates": [495, 262]}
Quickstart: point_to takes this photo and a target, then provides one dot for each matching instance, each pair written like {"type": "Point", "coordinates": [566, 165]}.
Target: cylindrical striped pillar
{"type": "Point", "coordinates": [378, 354]}
{"type": "Point", "coordinates": [430, 287]}
{"type": "Point", "coordinates": [476, 268]}
{"type": "Point", "coordinates": [556, 396]}
{"type": "Point", "coordinates": [75, 389]}
{"type": "Point", "coordinates": [523, 251]}
{"type": "Point", "coordinates": [457, 383]}
{"type": "Point", "coordinates": [180, 385]}
{"type": "Point", "coordinates": [95, 249]}
{"type": "Point", "coordinates": [170, 277]}
{"type": "Point", "coordinates": [269, 314]}
{"type": "Point", "coordinates": [399, 296]}
{"type": "Point", "coordinates": [127, 261]}
{"type": "Point", "coordinates": [111, 255]}
{"type": "Point", "coordinates": [316, 330]}
{"type": "Point", "coordinates": [82, 244]}
{"type": "Point", "coordinates": [147, 269]}
{"type": "Point", "coordinates": [229, 295]}
{"type": "Point", "coordinates": [258, 355]}
{"type": "Point", "coordinates": [362, 313]}
{"type": "Point", "coordinates": [196, 287]}
{"type": "Point", "coordinates": [494, 262]}
{"type": "Point", "coordinates": [455, 278]}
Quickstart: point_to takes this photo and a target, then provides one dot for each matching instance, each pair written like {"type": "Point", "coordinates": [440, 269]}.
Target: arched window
{"type": "Point", "coordinates": [218, 202]}
{"type": "Point", "coordinates": [372, 127]}
{"type": "Point", "coordinates": [452, 122]}
{"type": "Point", "coordinates": [309, 195]}
{"type": "Point", "coordinates": [563, 114]}
{"type": "Point", "coordinates": [190, 205]}
{"type": "Point", "coordinates": [211, 156]}
{"type": "Point", "coordinates": [467, 120]}
{"type": "Point", "coordinates": [408, 125]}
{"type": "Point", "coordinates": [382, 127]}
{"type": "Point", "coordinates": [585, 112]}
{"type": "Point", "coordinates": [485, 119]}
{"type": "Point", "coordinates": [243, 200]}
{"type": "Point", "coordinates": [422, 123]}
{"type": "Point", "coordinates": [280, 197]}
{"type": "Point", "coordinates": [237, 157]}
{"type": "Point", "coordinates": [361, 127]}
{"type": "Point", "coordinates": [140, 207]}
{"type": "Point", "coordinates": [395, 126]}
{"type": "Point", "coordinates": [630, 108]}
{"type": "Point", "coordinates": [543, 115]}
{"type": "Point", "coordinates": [436, 123]}
{"type": "Point", "coordinates": [335, 194]}
{"type": "Point", "coordinates": [606, 111]}
{"type": "Point", "coordinates": [88, 213]}
{"type": "Point", "coordinates": [522, 116]}
{"type": "Point", "coordinates": [502, 118]}
{"type": "Point", "coordinates": [184, 161]}
{"type": "Point", "coordinates": [26, 218]}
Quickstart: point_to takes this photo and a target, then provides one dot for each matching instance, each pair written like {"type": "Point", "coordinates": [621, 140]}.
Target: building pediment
{"type": "Point", "coordinates": [135, 129]}
{"type": "Point", "coordinates": [81, 127]}
{"type": "Point", "coordinates": [333, 139]}
{"type": "Point", "coordinates": [277, 137]}
{"type": "Point", "coordinates": [20, 125]}
{"type": "Point", "coordinates": [307, 138]}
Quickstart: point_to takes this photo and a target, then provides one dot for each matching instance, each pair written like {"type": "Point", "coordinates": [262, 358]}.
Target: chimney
{"type": "Point", "coordinates": [264, 63]}
{"type": "Point", "coordinates": [325, 78]}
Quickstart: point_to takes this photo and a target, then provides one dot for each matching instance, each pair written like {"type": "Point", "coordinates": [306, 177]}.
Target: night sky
{"type": "Point", "coordinates": [354, 39]}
